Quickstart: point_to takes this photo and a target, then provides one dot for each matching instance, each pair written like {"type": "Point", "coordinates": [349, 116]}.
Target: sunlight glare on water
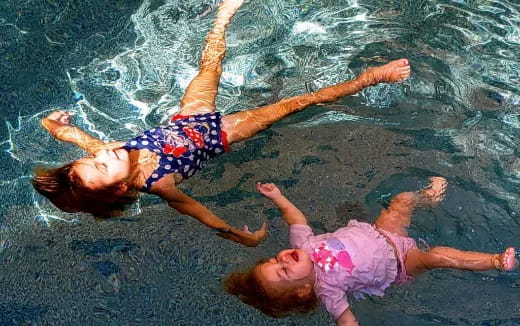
{"type": "Point", "coordinates": [124, 69]}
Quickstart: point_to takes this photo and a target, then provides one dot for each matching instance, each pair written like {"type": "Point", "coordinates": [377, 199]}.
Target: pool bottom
{"type": "Point", "coordinates": [161, 268]}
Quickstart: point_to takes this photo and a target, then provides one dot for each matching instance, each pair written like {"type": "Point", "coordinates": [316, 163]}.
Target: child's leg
{"type": "Point", "coordinates": [202, 91]}
{"type": "Point", "coordinates": [245, 124]}
{"type": "Point", "coordinates": [418, 261]}
{"type": "Point", "coordinates": [397, 217]}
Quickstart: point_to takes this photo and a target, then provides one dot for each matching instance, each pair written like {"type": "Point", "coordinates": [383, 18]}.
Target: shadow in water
{"type": "Point", "coordinates": [18, 314]}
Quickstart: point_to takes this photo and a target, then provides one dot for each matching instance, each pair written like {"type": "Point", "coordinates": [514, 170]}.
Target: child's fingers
{"type": "Point", "coordinates": [268, 186]}
{"type": "Point", "coordinates": [64, 119]}
{"type": "Point", "coordinates": [262, 233]}
{"type": "Point", "coordinates": [263, 229]}
{"type": "Point", "coordinates": [54, 115]}
{"type": "Point", "coordinates": [262, 186]}
{"type": "Point", "coordinates": [250, 240]}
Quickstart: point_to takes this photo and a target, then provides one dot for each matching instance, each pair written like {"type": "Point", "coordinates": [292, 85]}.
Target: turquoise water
{"type": "Point", "coordinates": [123, 66]}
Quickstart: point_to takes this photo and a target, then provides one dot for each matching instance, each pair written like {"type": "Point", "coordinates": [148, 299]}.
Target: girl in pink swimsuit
{"type": "Point", "coordinates": [356, 260]}
{"type": "Point", "coordinates": [158, 160]}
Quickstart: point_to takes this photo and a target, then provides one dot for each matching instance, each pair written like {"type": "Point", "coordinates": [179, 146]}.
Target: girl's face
{"type": "Point", "coordinates": [105, 168]}
{"type": "Point", "coordinates": [288, 265]}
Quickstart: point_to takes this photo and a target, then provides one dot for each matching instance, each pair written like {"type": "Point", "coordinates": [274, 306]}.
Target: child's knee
{"type": "Point", "coordinates": [415, 262]}
{"type": "Point", "coordinates": [437, 257]}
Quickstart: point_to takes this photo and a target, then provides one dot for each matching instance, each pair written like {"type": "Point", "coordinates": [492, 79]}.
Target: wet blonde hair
{"type": "Point", "coordinates": [248, 287]}
{"type": "Point", "coordinates": [66, 191]}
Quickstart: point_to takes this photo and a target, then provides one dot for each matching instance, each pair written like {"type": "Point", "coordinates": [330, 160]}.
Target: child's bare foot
{"type": "Point", "coordinates": [226, 10]}
{"type": "Point", "coordinates": [506, 261]}
{"type": "Point", "coordinates": [392, 72]}
{"type": "Point", "coordinates": [230, 6]}
{"type": "Point", "coordinates": [434, 192]}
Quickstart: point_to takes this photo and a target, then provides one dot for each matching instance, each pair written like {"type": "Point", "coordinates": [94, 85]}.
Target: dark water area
{"type": "Point", "coordinates": [122, 66]}
{"type": "Point", "coordinates": [39, 42]}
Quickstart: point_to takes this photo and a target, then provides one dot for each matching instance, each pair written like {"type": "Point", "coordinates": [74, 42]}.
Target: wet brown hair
{"type": "Point", "coordinates": [249, 290]}
{"type": "Point", "coordinates": [65, 190]}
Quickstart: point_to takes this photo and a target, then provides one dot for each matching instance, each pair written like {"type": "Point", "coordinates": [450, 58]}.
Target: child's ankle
{"type": "Point", "coordinates": [366, 79]}
{"type": "Point", "coordinates": [497, 262]}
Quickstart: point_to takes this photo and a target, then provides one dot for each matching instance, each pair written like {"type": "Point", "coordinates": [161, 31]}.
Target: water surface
{"type": "Point", "coordinates": [124, 65]}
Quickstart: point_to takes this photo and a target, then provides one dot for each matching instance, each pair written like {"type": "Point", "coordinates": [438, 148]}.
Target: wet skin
{"type": "Point", "coordinates": [289, 265]}
{"type": "Point", "coordinates": [105, 168]}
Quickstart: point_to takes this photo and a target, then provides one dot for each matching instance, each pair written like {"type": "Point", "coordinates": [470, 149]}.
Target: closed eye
{"type": "Point", "coordinates": [281, 274]}
{"type": "Point", "coordinates": [102, 167]}
{"type": "Point", "coordinates": [283, 267]}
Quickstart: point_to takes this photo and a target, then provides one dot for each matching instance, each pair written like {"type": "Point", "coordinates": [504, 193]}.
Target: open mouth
{"type": "Point", "coordinates": [294, 256]}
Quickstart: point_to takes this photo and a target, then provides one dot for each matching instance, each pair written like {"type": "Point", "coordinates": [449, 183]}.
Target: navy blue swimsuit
{"type": "Point", "coordinates": [183, 146]}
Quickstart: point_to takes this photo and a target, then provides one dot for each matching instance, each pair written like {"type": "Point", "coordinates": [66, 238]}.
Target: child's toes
{"type": "Point", "coordinates": [235, 4]}
{"type": "Point", "coordinates": [509, 261]}
{"type": "Point", "coordinates": [405, 73]}
{"type": "Point", "coordinates": [436, 189]}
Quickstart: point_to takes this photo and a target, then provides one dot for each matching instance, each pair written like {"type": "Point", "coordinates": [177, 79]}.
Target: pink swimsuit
{"type": "Point", "coordinates": [356, 260]}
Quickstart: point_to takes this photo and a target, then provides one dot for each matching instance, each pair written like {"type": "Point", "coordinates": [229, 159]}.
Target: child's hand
{"type": "Point", "coordinates": [61, 117]}
{"type": "Point", "coordinates": [246, 237]}
{"type": "Point", "coordinates": [270, 190]}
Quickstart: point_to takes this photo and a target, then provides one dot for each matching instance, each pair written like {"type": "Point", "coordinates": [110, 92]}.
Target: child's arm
{"type": "Point", "coordinates": [57, 124]}
{"type": "Point", "coordinates": [189, 206]}
{"type": "Point", "coordinates": [291, 214]}
{"type": "Point", "coordinates": [347, 318]}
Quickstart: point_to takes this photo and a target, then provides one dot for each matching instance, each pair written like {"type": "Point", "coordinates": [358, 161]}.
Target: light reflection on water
{"type": "Point", "coordinates": [456, 116]}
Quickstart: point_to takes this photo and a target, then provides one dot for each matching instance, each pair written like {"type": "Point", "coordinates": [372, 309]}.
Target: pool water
{"type": "Point", "coordinates": [122, 66]}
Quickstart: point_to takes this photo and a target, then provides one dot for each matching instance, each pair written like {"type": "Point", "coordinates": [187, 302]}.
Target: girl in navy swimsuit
{"type": "Point", "coordinates": [159, 159]}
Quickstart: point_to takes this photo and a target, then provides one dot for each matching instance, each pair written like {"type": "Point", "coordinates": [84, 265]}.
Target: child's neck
{"type": "Point", "coordinates": [313, 276]}
{"type": "Point", "coordinates": [142, 164]}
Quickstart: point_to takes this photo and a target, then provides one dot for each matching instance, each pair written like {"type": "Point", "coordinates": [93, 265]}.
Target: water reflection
{"type": "Point", "coordinates": [125, 68]}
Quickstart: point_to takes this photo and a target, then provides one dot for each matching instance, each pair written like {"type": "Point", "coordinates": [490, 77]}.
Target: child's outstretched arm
{"type": "Point", "coordinates": [291, 213]}
{"type": "Point", "coordinates": [57, 124]}
{"type": "Point", "coordinates": [347, 318]}
{"type": "Point", "coordinates": [184, 204]}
